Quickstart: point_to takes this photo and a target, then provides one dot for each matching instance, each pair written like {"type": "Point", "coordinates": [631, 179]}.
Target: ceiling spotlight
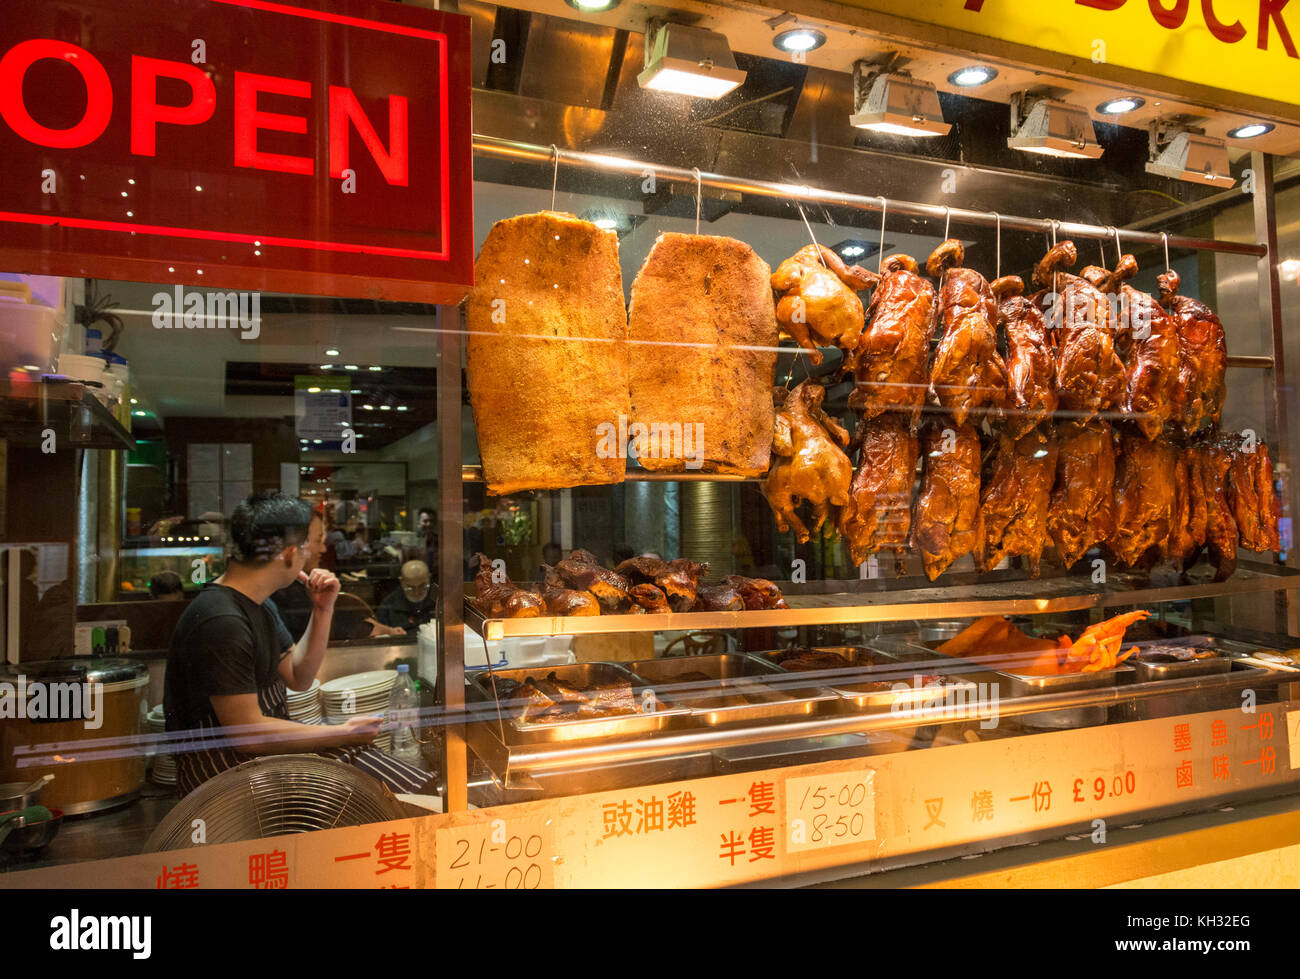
{"type": "Point", "coordinates": [799, 39]}
{"type": "Point", "coordinates": [1192, 157]}
{"type": "Point", "coordinates": [972, 76]}
{"type": "Point", "coordinates": [332, 352]}
{"type": "Point", "coordinates": [688, 61]}
{"type": "Point", "coordinates": [593, 6]}
{"type": "Point", "coordinates": [886, 102]}
{"type": "Point", "coordinates": [1127, 103]}
{"type": "Point", "coordinates": [852, 251]}
{"type": "Point", "coordinates": [1250, 130]}
{"type": "Point", "coordinates": [1052, 128]}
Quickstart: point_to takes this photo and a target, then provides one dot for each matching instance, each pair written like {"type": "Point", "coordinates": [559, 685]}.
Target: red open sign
{"type": "Point", "coordinates": [272, 145]}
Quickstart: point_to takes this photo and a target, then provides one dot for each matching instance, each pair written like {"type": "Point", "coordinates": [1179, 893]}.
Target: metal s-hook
{"type": "Point", "coordinates": [997, 222]}
{"type": "Point", "coordinates": [880, 256]}
{"type": "Point", "coordinates": [1164, 237]}
{"type": "Point", "coordinates": [947, 221]}
{"type": "Point", "coordinates": [555, 176]}
{"type": "Point", "coordinates": [699, 197]}
{"type": "Point", "coordinates": [1055, 224]}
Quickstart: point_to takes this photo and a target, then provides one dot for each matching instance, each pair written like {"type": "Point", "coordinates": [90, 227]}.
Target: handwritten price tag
{"type": "Point", "coordinates": [518, 855]}
{"type": "Point", "coordinates": [830, 810]}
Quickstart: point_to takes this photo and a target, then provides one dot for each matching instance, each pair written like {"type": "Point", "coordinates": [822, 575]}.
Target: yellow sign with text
{"type": "Point", "coordinates": [1247, 46]}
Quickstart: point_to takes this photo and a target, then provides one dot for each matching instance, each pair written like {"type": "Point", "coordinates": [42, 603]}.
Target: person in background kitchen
{"type": "Point", "coordinates": [231, 658]}
{"type": "Point", "coordinates": [429, 538]}
{"type": "Point", "coordinates": [552, 555]}
{"type": "Point", "coordinates": [166, 586]}
{"type": "Point", "coordinates": [410, 605]}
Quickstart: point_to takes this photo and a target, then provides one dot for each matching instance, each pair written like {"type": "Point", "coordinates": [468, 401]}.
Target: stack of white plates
{"type": "Point", "coordinates": [164, 765]}
{"type": "Point", "coordinates": [360, 693]}
{"type": "Point", "coordinates": [304, 705]}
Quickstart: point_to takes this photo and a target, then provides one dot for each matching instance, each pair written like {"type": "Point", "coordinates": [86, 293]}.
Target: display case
{"type": "Point", "coordinates": [918, 753]}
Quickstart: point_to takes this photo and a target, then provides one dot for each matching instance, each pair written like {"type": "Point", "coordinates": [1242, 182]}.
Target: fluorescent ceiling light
{"type": "Point", "coordinates": [688, 61]}
{"type": "Point", "coordinates": [1054, 129]}
{"type": "Point", "coordinates": [897, 104]}
{"type": "Point", "coordinates": [1251, 130]}
{"type": "Point", "coordinates": [593, 6]}
{"type": "Point", "coordinates": [1196, 159]}
{"type": "Point", "coordinates": [972, 76]}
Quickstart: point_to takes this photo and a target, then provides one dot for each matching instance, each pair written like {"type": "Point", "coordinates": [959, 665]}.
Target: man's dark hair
{"type": "Point", "coordinates": [165, 583]}
{"type": "Point", "coordinates": [265, 524]}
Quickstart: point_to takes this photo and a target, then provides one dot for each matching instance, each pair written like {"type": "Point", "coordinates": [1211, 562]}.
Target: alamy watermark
{"type": "Point", "coordinates": [958, 700]}
{"type": "Point", "coordinates": [655, 440]}
{"type": "Point", "coordinates": [182, 309]}
{"type": "Point", "coordinates": [40, 701]}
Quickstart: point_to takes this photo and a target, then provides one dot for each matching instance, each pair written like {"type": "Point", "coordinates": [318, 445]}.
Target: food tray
{"type": "Point", "coordinates": [516, 731]}
{"type": "Point", "coordinates": [890, 663]}
{"type": "Point", "coordinates": [739, 689]}
{"type": "Point", "coordinates": [1219, 663]}
{"type": "Point", "coordinates": [1002, 669]}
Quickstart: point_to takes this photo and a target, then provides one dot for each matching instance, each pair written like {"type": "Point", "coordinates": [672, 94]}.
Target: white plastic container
{"type": "Point", "coordinates": [30, 336]}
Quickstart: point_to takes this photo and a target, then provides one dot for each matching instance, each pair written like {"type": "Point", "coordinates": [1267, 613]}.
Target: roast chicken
{"type": "Point", "coordinates": [1147, 341]}
{"type": "Point", "coordinates": [1089, 374]}
{"type": "Point", "coordinates": [808, 464]}
{"type": "Point", "coordinates": [890, 360]}
{"type": "Point", "coordinates": [1031, 360]}
{"type": "Point", "coordinates": [879, 512]}
{"type": "Point", "coordinates": [1145, 494]}
{"type": "Point", "coordinates": [757, 593]}
{"type": "Point", "coordinates": [1210, 461]}
{"type": "Point", "coordinates": [718, 598]}
{"type": "Point", "coordinates": [560, 600]}
{"type": "Point", "coordinates": [1202, 357]}
{"type": "Point", "coordinates": [1254, 503]}
{"type": "Point", "coordinates": [946, 522]}
{"type": "Point", "coordinates": [968, 374]}
{"type": "Point", "coordinates": [648, 598]}
{"type": "Point", "coordinates": [819, 304]}
{"type": "Point", "coordinates": [1081, 514]}
{"type": "Point", "coordinates": [499, 598]}
{"type": "Point", "coordinates": [581, 571]}
{"type": "Point", "coordinates": [678, 581]}
{"type": "Point", "coordinates": [1014, 502]}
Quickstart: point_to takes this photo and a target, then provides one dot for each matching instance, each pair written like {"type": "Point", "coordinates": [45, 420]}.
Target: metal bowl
{"type": "Point", "coordinates": [13, 796]}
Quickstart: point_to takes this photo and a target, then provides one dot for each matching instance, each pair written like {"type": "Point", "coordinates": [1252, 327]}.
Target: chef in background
{"type": "Point", "coordinates": [410, 605]}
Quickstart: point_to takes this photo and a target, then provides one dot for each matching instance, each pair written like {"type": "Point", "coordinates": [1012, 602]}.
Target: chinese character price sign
{"type": "Point", "coordinates": [496, 855]}
{"type": "Point", "coordinates": [830, 810]}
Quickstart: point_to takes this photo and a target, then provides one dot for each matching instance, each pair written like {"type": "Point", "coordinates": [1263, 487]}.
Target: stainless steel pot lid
{"type": "Point", "coordinates": [75, 670]}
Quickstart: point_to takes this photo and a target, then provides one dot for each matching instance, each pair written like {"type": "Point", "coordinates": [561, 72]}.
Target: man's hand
{"type": "Point", "coordinates": [377, 628]}
{"type": "Point", "coordinates": [362, 729]}
{"type": "Point", "coordinates": [323, 588]}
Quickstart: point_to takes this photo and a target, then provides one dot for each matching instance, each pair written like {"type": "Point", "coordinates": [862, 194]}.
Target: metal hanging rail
{"type": "Point", "coordinates": [505, 149]}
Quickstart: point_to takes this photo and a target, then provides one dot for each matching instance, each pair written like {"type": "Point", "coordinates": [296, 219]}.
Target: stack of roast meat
{"type": "Point", "coordinates": [581, 585]}
{"type": "Point", "coordinates": [1083, 415]}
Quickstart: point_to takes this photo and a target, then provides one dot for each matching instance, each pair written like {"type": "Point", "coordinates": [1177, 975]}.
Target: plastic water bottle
{"type": "Point", "coordinates": [403, 716]}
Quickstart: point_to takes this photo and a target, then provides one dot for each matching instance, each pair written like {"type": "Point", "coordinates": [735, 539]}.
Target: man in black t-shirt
{"type": "Point", "coordinates": [231, 656]}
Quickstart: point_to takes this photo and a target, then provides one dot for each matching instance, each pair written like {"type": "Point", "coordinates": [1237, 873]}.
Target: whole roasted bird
{"type": "Point", "coordinates": [879, 512]}
{"type": "Point", "coordinates": [1013, 505]}
{"type": "Point", "coordinates": [890, 360]}
{"type": "Point", "coordinates": [1187, 521]}
{"type": "Point", "coordinates": [1089, 374]}
{"type": "Point", "coordinates": [678, 580]}
{"type": "Point", "coordinates": [1210, 461]}
{"type": "Point", "coordinates": [946, 523]}
{"type": "Point", "coordinates": [1081, 513]}
{"type": "Point", "coordinates": [561, 600]}
{"type": "Point", "coordinates": [1031, 359]}
{"type": "Point", "coordinates": [808, 464]}
{"type": "Point", "coordinates": [757, 593]}
{"type": "Point", "coordinates": [819, 304]}
{"type": "Point", "coordinates": [718, 598]}
{"type": "Point", "coordinates": [1147, 341]}
{"type": "Point", "coordinates": [968, 374]}
{"type": "Point", "coordinates": [1254, 502]}
{"type": "Point", "coordinates": [1145, 501]}
{"type": "Point", "coordinates": [499, 598]}
{"type": "Point", "coordinates": [1202, 357]}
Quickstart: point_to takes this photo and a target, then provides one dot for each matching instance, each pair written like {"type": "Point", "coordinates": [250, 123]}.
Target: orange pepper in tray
{"type": "Point", "coordinates": [1098, 648]}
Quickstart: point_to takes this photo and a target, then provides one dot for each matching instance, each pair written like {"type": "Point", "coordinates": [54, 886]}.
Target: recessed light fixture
{"type": "Point", "coordinates": [313, 390]}
{"type": "Point", "coordinates": [852, 251]}
{"type": "Point", "coordinates": [374, 367]}
{"type": "Point", "coordinates": [799, 39]}
{"type": "Point", "coordinates": [887, 102]}
{"type": "Point", "coordinates": [1125, 103]}
{"type": "Point", "coordinates": [350, 367]}
{"type": "Point", "coordinates": [688, 61]}
{"type": "Point", "coordinates": [331, 352]}
{"type": "Point", "coordinates": [1250, 130]}
{"type": "Point", "coordinates": [1052, 128]}
{"type": "Point", "coordinates": [972, 76]}
{"type": "Point", "coordinates": [593, 6]}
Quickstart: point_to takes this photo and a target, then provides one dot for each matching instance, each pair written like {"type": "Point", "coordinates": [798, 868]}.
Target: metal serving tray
{"type": "Point", "coordinates": [1003, 669]}
{"type": "Point", "coordinates": [738, 689]}
{"type": "Point", "coordinates": [1220, 662]}
{"type": "Point", "coordinates": [515, 731]}
{"type": "Point", "coordinates": [875, 670]}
